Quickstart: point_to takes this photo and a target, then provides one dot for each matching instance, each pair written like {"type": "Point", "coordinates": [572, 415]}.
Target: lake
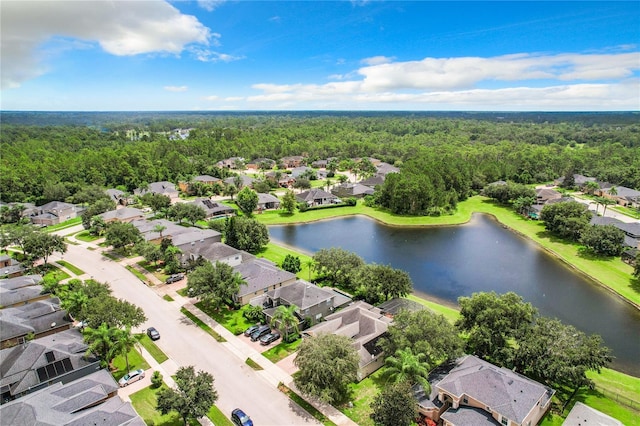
{"type": "Point", "coordinates": [452, 261]}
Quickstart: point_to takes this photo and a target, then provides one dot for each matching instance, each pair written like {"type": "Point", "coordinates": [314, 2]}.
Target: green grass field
{"type": "Point", "coordinates": [64, 225]}
{"type": "Point", "coordinates": [281, 351]}
{"type": "Point", "coordinates": [56, 273]}
{"type": "Point", "coordinates": [135, 361]}
{"type": "Point", "coordinates": [232, 320]}
{"type": "Point", "coordinates": [152, 348]}
{"type": "Point", "coordinates": [86, 236]}
{"type": "Point", "coordinates": [202, 325]}
{"type": "Point", "coordinates": [72, 268]}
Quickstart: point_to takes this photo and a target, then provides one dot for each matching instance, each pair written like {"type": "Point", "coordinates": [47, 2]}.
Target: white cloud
{"type": "Point", "coordinates": [176, 88]}
{"type": "Point", "coordinates": [211, 98]}
{"type": "Point", "coordinates": [121, 28]}
{"type": "Point", "coordinates": [207, 55]}
{"type": "Point", "coordinates": [377, 60]}
{"type": "Point", "coordinates": [210, 5]}
{"type": "Point", "coordinates": [233, 98]}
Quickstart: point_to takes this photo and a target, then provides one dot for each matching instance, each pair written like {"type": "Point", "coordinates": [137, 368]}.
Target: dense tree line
{"type": "Point", "coordinates": [40, 163]}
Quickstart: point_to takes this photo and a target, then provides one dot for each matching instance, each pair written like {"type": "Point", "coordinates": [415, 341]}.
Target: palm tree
{"type": "Point", "coordinates": [606, 202]}
{"type": "Point", "coordinates": [613, 191]}
{"type": "Point", "coordinates": [286, 321]}
{"type": "Point", "coordinates": [101, 341]}
{"type": "Point", "coordinates": [124, 342]}
{"type": "Point", "coordinates": [405, 366]}
{"type": "Point", "coordinates": [75, 302]}
{"type": "Point", "coordinates": [159, 229]}
{"type": "Point", "coordinates": [310, 263]}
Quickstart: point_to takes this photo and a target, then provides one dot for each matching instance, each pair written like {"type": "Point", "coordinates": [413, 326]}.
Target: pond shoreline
{"type": "Point", "coordinates": [456, 221]}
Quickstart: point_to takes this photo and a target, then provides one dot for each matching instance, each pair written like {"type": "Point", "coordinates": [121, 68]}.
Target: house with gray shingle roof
{"type": "Point", "coordinates": [53, 213]}
{"type": "Point", "coordinates": [123, 215]}
{"type": "Point", "coordinates": [213, 252]}
{"type": "Point", "coordinates": [357, 190]}
{"type": "Point", "coordinates": [10, 297]}
{"type": "Point", "coordinates": [42, 362]}
{"type": "Point", "coordinates": [117, 196]}
{"type": "Point", "coordinates": [19, 282]}
{"type": "Point", "coordinates": [268, 201]}
{"type": "Point", "coordinates": [37, 319]}
{"type": "Point", "coordinates": [9, 267]}
{"type": "Point", "coordinates": [316, 197]}
{"type": "Point", "coordinates": [313, 302]}
{"type": "Point", "coordinates": [473, 387]}
{"type": "Point", "coordinates": [583, 415]}
{"type": "Point", "coordinates": [364, 325]}
{"type": "Point", "coordinates": [213, 208]}
{"type": "Point", "coordinates": [261, 276]}
{"type": "Point", "coordinates": [163, 188]}
{"type": "Point", "coordinates": [91, 400]}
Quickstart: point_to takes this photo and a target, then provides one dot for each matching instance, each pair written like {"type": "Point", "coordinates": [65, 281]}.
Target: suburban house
{"type": "Point", "coordinates": [163, 188]}
{"type": "Point", "coordinates": [579, 180]}
{"type": "Point", "coordinates": [91, 400]}
{"type": "Point", "coordinates": [123, 215]}
{"type": "Point", "coordinates": [346, 190]}
{"type": "Point", "coordinates": [261, 163]}
{"type": "Point", "coordinates": [9, 267]}
{"type": "Point", "coordinates": [213, 252]}
{"type": "Point", "coordinates": [471, 391]}
{"type": "Point", "coordinates": [546, 194]}
{"type": "Point", "coordinates": [373, 181]}
{"type": "Point", "coordinates": [204, 179]}
{"type": "Point", "coordinates": [261, 277]}
{"type": "Point", "coordinates": [230, 163]}
{"type": "Point", "coordinates": [583, 415]}
{"type": "Point", "coordinates": [39, 363]}
{"type": "Point", "coordinates": [364, 325]}
{"type": "Point", "coordinates": [624, 196]}
{"type": "Point", "coordinates": [19, 282]}
{"type": "Point", "coordinates": [246, 181]}
{"type": "Point", "coordinates": [284, 180]}
{"type": "Point", "coordinates": [267, 202]}
{"type": "Point", "coordinates": [317, 197]}
{"type": "Point", "coordinates": [296, 172]}
{"type": "Point", "coordinates": [320, 164]}
{"type": "Point", "coordinates": [117, 196]}
{"type": "Point", "coordinates": [385, 168]}
{"type": "Point", "coordinates": [292, 161]}
{"type": "Point", "coordinates": [17, 295]}
{"type": "Point", "coordinates": [631, 230]}
{"type": "Point", "coordinates": [313, 302]}
{"type": "Point", "coordinates": [33, 320]}
{"type": "Point", "coordinates": [53, 213]}
{"type": "Point", "coordinates": [149, 229]}
{"type": "Point", "coordinates": [213, 208]}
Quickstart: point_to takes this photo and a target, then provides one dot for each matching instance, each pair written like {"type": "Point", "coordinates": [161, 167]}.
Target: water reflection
{"type": "Point", "coordinates": [449, 262]}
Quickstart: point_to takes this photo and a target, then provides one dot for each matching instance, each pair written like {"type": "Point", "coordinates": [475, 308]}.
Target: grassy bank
{"type": "Point", "coordinates": [612, 273]}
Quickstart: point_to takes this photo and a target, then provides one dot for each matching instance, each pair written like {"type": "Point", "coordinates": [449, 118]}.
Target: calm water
{"type": "Point", "coordinates": [449, 262]}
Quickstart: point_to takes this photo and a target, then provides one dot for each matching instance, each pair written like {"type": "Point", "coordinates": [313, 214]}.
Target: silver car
{"type": "Point", "coordinates": [131, 377]}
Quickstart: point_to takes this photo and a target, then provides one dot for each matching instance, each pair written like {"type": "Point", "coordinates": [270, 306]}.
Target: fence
{"type": "Point", "coordinates": [620, 399]}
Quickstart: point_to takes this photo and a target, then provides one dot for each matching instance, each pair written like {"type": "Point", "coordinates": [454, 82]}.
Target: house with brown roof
{"type": "Point", "coordinates": [165, 188]}
{"type": "Point", "coordinates": [261, 163]}
{"type": "Point", "coordinates": [90, 400]}
{"type": "Point", "coordinates": [471, 391]}
{"type": "Point", "coordinates": [347, 189]}
{"type": "Point", "coordinates": [364, 324]}
{"type": "Point", "coordinates": [230, 163]}
{"type": "Point", "coordinates": [204, 179]}
{"type": "Point", "coordinates": [261, 276]}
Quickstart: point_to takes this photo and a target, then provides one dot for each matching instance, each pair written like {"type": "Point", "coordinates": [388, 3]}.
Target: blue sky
{"type": "Point", "coordinates": [314, 55]}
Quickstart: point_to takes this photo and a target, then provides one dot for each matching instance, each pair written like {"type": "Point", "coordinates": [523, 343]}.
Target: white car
{"type": "Point", "coordinates": [132, 377]}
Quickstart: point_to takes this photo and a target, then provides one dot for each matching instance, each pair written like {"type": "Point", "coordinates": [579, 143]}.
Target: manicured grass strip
{"type": "Point", "coordinates": [167, 298]}
{"type": "Point", "coordinates": [135, 361]}
{"type": "Point", "coordinates": [182, 292]}
{"type": "Point", "coordinates": [137, 273]}
{"type": "Point", "coordinates": [111, 256]}
{"type": "Point", "coordinates": [86, 236]}
{"type": "Point", "coordinates": [152, 348]}
{"type": "Point", "coordinates": [451, 314]}
{"type": "Point", "coordinates": [305, 405]}
{"type": "Point", "coordinates": [218, 419]}
{"type": "Point", "coordinates": [281, 351]}
{"type": "Point", "coordinates": [202, 325]}
{"type": "Point", "coordinates": [70, 267]}
{"type": "Point", "coordinates": [67, 224]}
{"type": "Point", "coordinates": [251, 363]}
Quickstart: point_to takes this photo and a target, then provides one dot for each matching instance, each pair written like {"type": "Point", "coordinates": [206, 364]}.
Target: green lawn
{"type": "Point", "coordinates": [167, 298]}
{"type": "Point", "coordinates": [135, 361]}
{"type": "Point", "coordinates": [451, 314]}
{"type": "Point", "coordinates": [362, 395]}
{"type": "Point", "coordinates": [152, 348]}
{"type": "Point", "coordinates": [144, 401]}
{"type": "Point", "coordinates": [154, 270]}
{"type": "Point", "coordinates": [232, 320]}
{"type": "Point", "coordinates": [70, 267]}
{"type": "Point", "coordinates": [277, 253]}
{"type": "Point", "coordinates": [251, 363]}
{"type": "Point", "coordinates": [86, 236]}
{"type": "Point", "coordinates": [218, 419]}
{"type": "Point", "coordinates": [67, 224]}
{"type": "Point", "coordinates": [137, 273]}
{"type": "Point", "coordinates": [281, 351]}
{"type": "Point", "coordinates": [305, 405]}
{"type": "Point", "coordinates": [56, 273]}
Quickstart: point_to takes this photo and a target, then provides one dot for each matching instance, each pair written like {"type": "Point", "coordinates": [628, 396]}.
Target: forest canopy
{"type": "Point", "coordinates": [458, 153]}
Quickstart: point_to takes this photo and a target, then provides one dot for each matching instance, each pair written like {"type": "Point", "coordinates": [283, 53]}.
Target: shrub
{"type": "Point", "coordinates": [156, 379]}
{"type": "Point", "coordinates": [254, 314]}
{"type": "Point", "coordinates": [303, 207]}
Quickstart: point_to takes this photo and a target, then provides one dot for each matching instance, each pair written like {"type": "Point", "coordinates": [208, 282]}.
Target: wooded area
{"type": "Point", "coordinates": [45, 162]}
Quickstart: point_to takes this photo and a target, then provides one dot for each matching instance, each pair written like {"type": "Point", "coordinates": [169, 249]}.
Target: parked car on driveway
{"type": "Point", "coordinates": [261, 331]}
{"type": "Point", "coordinates": [153, 333]}
{"type": "Point", "coordinates": [249, 331]}
{"type": "Point", "coordinates": [239, 418]}
{"type": "Point", "coordinates": [131, 377]}
{"type": "Point", "coordinates": [174, 278]}
{"type": "Point", "coordinates": [269, 338]}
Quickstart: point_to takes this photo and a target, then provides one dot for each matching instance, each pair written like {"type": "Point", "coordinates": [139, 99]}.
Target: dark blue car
{"type": "Point", "coordinates": [239, 418]}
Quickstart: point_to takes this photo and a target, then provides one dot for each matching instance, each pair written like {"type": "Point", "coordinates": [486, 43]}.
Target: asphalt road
{"type": "Point", "coordinates": [237, 384]}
